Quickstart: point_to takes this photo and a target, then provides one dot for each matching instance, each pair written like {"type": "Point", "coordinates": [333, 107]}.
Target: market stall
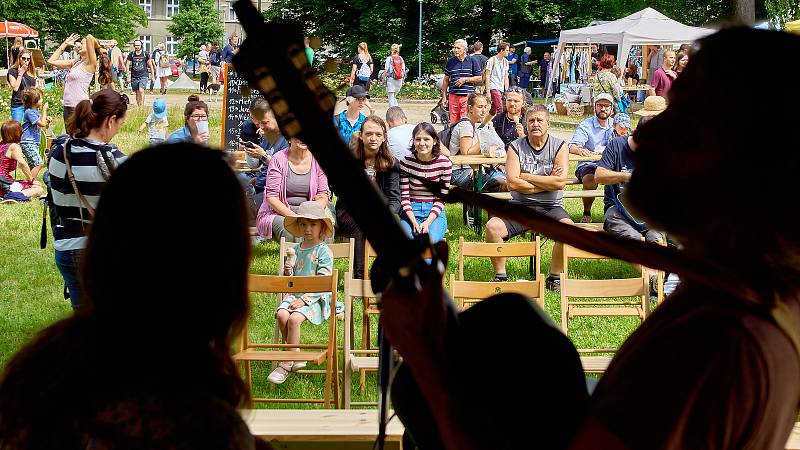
{"type": "Point", "coordinates": [10, 30]}
{"type": "Point", "coordinates": [646, 27]}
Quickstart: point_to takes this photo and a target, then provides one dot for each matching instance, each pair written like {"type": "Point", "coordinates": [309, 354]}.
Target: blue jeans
{"type": "Point", "coordinates": [464, 179]}
{"type": "Point", "coordinates": [421, 211]}
{"type": "Point", "coordinates": [18, 113]}
{"type": "Point", "coordinates": [68, 263]}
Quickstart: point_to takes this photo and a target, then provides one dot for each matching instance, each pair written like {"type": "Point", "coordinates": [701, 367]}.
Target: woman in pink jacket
{"type": "Point", "coordinates": [293, 177]}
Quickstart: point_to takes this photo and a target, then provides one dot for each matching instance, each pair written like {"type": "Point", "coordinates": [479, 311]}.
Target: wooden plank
{"type": "Point", "coordinates": [576, 253]}
{"type": "Point", "coordinates": [475, 160]}
{"type": "Point", "coordinates": [339, 249]}
{"type": "Point", "coordinates": [621, 311]}
{"type": "Point", "coordinates": [259, 355]}
{"type": "Point", "coordinates": [595, 364]}
{"type": "Point", "coordinates": [623, 287]}
{"type": "Point", "coordinates": [288, 284]}
{"type": "Point", "coordinates": [592, 157]}
{"type": "Point", "coordinates": [567, 194]}
{"type": "Point", "coordinates": [363, 362]}
{"type": "Point", "coordinates": [291, 425]}
{"type": "Point", "coordinates": [483, 289]}
{"type": "Point", "coordinates": [794, 439]}
{"type": "Point", "coordinates": [490, 249]}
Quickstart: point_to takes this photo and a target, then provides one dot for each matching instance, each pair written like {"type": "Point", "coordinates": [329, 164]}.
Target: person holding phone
{"type": "Point", "coordinates": [195, 128]}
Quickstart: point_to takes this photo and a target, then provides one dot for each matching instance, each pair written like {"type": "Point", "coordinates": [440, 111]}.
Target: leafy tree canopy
{"type": "Point", "coordinates": [196, 23]}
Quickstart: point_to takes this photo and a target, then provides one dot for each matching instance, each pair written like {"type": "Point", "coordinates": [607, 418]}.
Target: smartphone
{"type": "Point", "coordinates": [247, 144]}
{"type": "Point", "coordinates": [202, 127]}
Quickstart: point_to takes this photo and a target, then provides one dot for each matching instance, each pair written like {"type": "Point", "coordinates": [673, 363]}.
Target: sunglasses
{"type": "Point", "coordinates": [25, 58]}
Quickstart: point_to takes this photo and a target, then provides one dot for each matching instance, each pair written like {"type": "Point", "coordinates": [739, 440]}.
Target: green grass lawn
{"type": "Point", "coordinates": [31, 287]}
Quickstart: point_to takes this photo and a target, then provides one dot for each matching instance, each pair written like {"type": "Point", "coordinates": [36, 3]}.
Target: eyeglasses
{"type": "Point", "coordinates": [199, 117]}
{"type": "Point", "coordinates": [603, 106]}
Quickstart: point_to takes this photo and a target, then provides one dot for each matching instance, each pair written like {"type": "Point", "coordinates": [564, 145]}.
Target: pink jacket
{"type": "Point", "coordinates": [276, 187]}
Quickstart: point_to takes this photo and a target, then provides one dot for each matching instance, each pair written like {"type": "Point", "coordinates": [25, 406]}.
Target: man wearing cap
{"type": "Point", "coordinates": [591, 138]}
{"type": "Point", "coordinates": [350, 120]}
{"type": "Point", "coordinates": [460, 75]}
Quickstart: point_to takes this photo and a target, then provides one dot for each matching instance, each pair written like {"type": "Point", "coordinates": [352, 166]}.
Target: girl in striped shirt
{"type": "Point", "coordinates": [422, 211]}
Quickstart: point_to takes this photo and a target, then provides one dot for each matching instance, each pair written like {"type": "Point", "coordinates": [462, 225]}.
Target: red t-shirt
{"type": "Point", "coordinates": [661, 82]}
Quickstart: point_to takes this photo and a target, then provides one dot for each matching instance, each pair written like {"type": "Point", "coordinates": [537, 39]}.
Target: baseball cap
{"type": "Point", "coordinates": [357, 91]}
{"type": "Point", "coordinates": [622, 120]}
{"type": "Point", "coordinates": [604, 96]}
{"type": "Point", "coordinates": [159, 108]}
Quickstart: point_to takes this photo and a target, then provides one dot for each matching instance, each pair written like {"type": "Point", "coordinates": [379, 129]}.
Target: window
{"type": "Point", "coordinates": [172, 8]}
{"type": "Point", "coordinates": [231, 13]}
{"type": "Point", "coordinates": [172, 45]}
{"type": "Point", "coordinates": [146, 44]}
{"type": "Point", "coordinates": [147, 6]}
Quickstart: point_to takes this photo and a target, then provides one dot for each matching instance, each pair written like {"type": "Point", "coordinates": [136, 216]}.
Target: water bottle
{"type": "Point", "coordinates": [290, 259]}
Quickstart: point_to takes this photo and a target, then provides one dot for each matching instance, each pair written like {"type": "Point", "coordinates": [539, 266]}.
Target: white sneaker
{"type": "Point", "coordinates": [279, 375]}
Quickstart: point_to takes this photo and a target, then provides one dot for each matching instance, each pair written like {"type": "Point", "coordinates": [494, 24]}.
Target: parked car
{"type": "Point", "coordinates": [192, 67]}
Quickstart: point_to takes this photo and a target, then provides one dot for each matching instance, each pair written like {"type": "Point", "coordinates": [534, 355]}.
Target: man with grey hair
{"type": "Point", "coordinates": [461, 72]}
{"type": "Point", "coordinates": [398, 137]}
{"type": "Point", "coordinates": [536, 168]}
{"type": "Point", "coordinates": [526, 63]}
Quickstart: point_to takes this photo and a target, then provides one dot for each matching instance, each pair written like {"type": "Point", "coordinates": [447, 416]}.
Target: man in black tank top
{"type": "Point", "coordinates": [536, 167]}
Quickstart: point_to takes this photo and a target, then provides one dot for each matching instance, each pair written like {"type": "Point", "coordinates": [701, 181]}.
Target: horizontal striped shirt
{"type": "Point", "coordinates": [69, 228]}
{"type": "Point", "coordinates": [455, 69]}
{"type": "Point", "coordinates": [411, 190]}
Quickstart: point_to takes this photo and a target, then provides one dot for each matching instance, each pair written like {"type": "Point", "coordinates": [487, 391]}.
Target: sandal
{"type": "Point", "coordinates": [280, 374]}
{"type": "Point", "coordinates": [586, 218]}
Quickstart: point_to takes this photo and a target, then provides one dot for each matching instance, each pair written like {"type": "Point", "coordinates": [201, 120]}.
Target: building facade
{"type": "Point", "coordinates": [159, 17]}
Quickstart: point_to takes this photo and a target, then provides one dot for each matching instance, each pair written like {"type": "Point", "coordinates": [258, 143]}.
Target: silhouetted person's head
{"type": "Point", "coordinates": [715, 169]}
{"type": "Point", "coordinates": [175, 266]}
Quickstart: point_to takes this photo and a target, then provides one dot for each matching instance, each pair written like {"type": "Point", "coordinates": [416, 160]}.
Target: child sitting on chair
{"type": "Point", "coordinates": [313, 257]}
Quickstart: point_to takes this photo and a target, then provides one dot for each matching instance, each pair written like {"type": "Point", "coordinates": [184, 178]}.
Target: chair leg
{"type": "Point", "coordinates": [328, 368]}
{"type": "Point", "coordinates": [363, 380]}
{"type": "Point", "coordinates": [346, 394]}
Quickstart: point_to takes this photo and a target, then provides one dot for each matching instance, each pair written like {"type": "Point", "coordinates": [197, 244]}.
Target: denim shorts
{"type": "Point", "coordinates": [31, 152]}
{"type": "Point", "coordinates": [138, 83]}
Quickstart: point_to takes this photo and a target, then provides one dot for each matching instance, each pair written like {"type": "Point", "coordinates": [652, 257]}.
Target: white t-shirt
{"type": "Point", "coordinates": [157, 128]}
{"type": "Point", "coordinates": [498, 73]}
{"type": "Point", "coordinates": [399, 140]}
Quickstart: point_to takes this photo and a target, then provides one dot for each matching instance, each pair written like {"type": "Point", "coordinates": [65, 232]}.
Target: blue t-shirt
{"type": "Point", "coordinates": [30, 130]}
{"type": "Point", "coordinates": [512, 68]}
{"type": "Point", "coordinates": [618, 157]}
{"type": "Point", "coordinates": [455, 69]}
{"type": "Point", "coordinates": [180, 135]}
{"type": "Point", "coordinates": [346, 129]}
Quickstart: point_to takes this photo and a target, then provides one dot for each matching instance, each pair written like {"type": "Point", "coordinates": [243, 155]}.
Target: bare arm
{"type": "Point", "coordinates": [353, 75]}
{"type": "Point", "coordinates": [91, 53]}
{"type": "Point", "coordinates": [55, 58]}
{"type": "Point", "coordinates": [15, 81]}
{"type": "Point", "coordinates": [445, 83]}
{"type": "Point", "coordinates": [556, 181]}
{"type": "Point", "coordinates": [279, 207]}
{"type": "Point", "coordinates": [606, 176]}
{"type": "Point", "coordinates": [469, 145]}
{"type": "Point", "coordinates": [322, 197]}
{"type": "Point", "coordinates": [513, 172]}
{"type": "Point", "coordinates": [16, 154]}
{"type": "Point", "coordinates": [42, 123]}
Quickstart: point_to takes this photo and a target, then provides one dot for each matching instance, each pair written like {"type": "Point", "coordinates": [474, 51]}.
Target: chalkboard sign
{"type": "Point", "coordinates": [236, 99]}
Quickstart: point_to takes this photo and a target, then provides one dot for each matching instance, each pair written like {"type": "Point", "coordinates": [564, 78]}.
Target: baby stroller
{"type": "Point", "coordinates": [440, 113]}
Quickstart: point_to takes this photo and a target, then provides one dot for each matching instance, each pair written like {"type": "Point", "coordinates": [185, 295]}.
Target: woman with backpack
{"type": "Point", "coordinates": [394, 72]}
{"type": "Point", "coordinates": [362, 67]}
{"type": "Point", "coordinates": [162, 66]}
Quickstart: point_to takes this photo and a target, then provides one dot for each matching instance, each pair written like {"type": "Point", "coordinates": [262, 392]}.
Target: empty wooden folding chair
{"type": "Point", "coordinates": [466, 293]}
{"type": "Point", "coordinates": [531, 250]}
{"type": "Point", "coordinates": [635, 288]}
{"type": "Point", "coordinates": [356, 360]}
{"type": "Point", "coordinates": [277, 352]}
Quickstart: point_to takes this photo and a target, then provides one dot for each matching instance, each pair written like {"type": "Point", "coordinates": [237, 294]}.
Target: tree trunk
{"type": "Point", "coordinates": [744, 12]}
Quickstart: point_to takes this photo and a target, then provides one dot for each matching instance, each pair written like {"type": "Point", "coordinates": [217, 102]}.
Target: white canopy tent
{"type": "Point", "coordinates": [646, 27]}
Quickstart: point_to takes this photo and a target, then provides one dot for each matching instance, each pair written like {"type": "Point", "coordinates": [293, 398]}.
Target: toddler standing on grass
{"type": "Point", "coordinates": [313, 257]}
{"type": "Point", "coordinates": [157, 122]}
{"type": "Point", "coordinates": [32, 124]}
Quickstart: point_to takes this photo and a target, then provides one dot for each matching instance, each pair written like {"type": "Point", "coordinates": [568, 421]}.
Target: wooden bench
{"type": "Point", "coordinates": [321, 429]}
{"type": "Point", "coordinates": [567, 194]}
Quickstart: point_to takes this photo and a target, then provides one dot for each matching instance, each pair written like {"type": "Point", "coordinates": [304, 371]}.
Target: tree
{"type": "Point", "coordinates": [196, 23]}
{"type": "Point", "coordinates": [782, 11]}
{"type": "Point", "coordinates": [55, 20]}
